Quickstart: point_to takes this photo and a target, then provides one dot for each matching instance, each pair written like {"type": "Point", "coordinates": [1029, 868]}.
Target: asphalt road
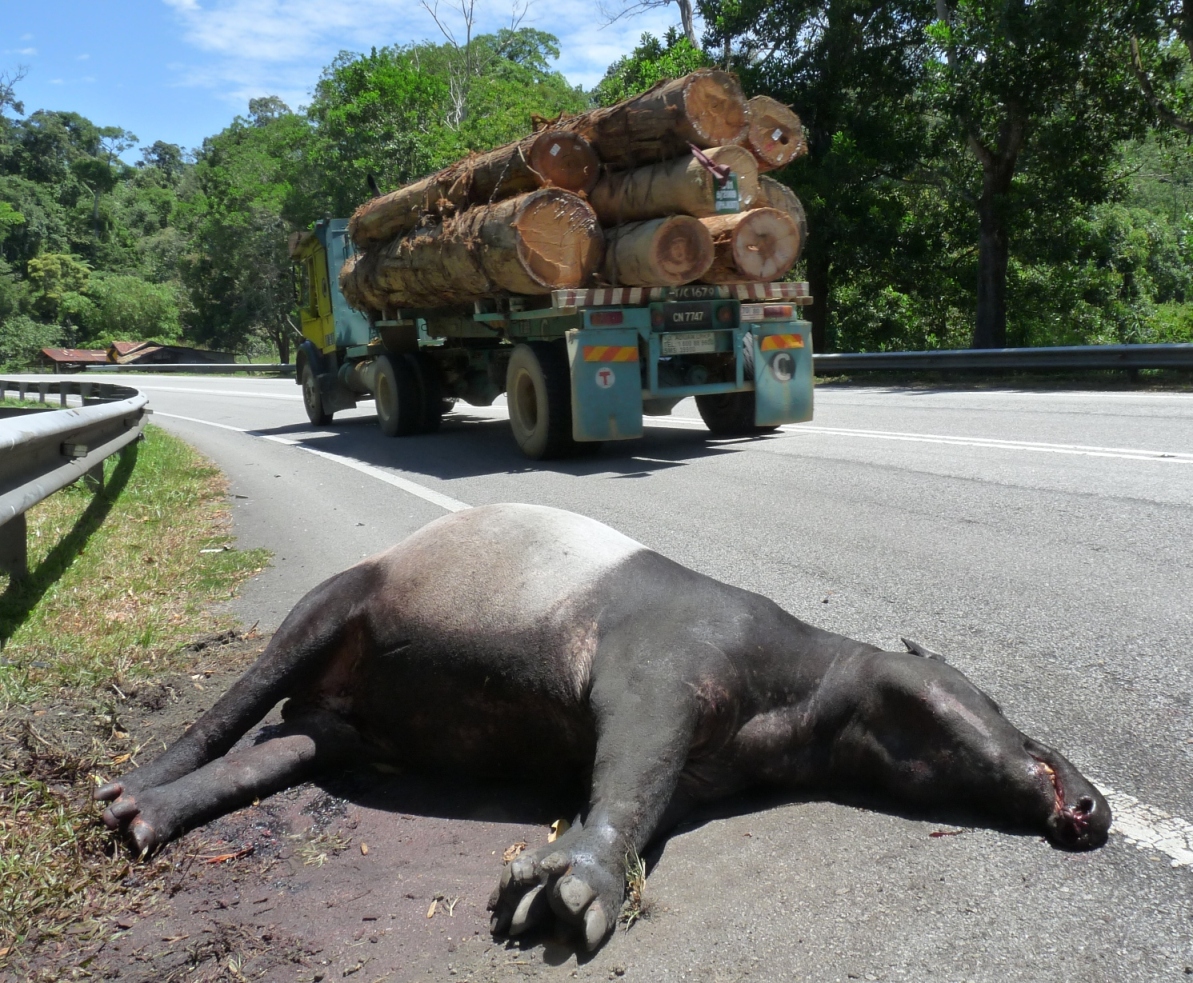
{"type": "Point", "coordinates": [1041, 540]}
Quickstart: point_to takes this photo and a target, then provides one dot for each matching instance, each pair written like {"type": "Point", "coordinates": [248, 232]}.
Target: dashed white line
{"type": "Point", "coordinates": [217, 392]}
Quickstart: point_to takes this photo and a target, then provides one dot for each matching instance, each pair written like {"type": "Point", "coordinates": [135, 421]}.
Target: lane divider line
{"type": "Point", "coordinates": [445, 502]}
{"type": "Point", "coordinates": [217, 392]}
{"type": "Point", "coordinates": [1125, 453]}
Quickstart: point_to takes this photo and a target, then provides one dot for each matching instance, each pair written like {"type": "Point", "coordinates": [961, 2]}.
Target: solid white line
{"type": "Point", "coordinates": [216, 392]}
{"type": "Point", "coordinates": [410, 487]}
{"type": "Point", "coordinates": [1125, 453]}
{"type": "Point", "coordinates": [1150, 828]}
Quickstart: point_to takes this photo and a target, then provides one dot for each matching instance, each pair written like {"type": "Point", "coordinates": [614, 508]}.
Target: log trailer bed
{"type": "Point", "coordinates": [578, 367]}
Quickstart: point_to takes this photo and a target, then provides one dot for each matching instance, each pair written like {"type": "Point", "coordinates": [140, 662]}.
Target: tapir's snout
{"type": "Point", "coordinates": [1079, 815]}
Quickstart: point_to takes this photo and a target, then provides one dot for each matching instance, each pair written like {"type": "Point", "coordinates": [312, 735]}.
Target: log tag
{"type": "Point", "coordinates": [554, 150]}
{"type": "Point", "coordinates": [727, 200]}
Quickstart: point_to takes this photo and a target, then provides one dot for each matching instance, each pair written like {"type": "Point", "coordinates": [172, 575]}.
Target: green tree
{"type": "Point", "coordinates": [653, 60]}
{"type": "Point", "coordinates": [126, 307]}
{"type": "Point", "coordinates": [22, 339]}
{"type": "Point", "coordinates": [1014, 81]}
{"type": "Point", "coordinates": [54, 275]}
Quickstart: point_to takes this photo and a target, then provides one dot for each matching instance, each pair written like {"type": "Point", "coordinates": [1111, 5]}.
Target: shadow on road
{"type": "Point", "coordinates": [469, 446]}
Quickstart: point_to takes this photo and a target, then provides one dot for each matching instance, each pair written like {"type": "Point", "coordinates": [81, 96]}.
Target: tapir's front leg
{"type": "Point", "coordinates": [646, 716]}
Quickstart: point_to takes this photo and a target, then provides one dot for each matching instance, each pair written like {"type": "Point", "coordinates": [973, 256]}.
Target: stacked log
{"type": "Point", "coordinates": [759, 245]}
{"type": "Point", "coordinates": [774, 134]}
{"type": "Point", "coordinates": [680, 186]}
{"type": "Point", "coordinates": [542, 160]}
{"type": "Point", "coordinates": [659, 190]}
{"type": "Point", "coordinates": [532, 244]}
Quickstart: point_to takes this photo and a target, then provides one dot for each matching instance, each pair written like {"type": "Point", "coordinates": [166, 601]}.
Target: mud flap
{"type": "Point", "coordinates": [782, 373]}
{"type": "Point", "coordinates": [606, 384]}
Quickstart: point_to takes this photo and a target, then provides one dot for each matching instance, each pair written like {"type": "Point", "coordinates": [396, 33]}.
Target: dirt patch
{"type": "Point", "coordinates": [370, 875]}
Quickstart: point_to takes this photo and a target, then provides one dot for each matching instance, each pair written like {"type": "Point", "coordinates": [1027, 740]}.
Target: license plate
{"type": "Point", "coordinates": [690, 315]}
{"type": "Point", "coordinates": [689, 343]}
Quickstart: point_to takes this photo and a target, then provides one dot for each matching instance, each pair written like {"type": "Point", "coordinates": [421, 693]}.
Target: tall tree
{"type": "Point", "coordinates": [1014, 79]}
{"type": "Point", "coordinates": [852, 70]}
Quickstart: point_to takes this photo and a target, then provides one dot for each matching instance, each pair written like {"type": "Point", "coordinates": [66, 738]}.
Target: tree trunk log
{"type": "Point", "coordinates": [663, 252]}
{"type": "Point", "coordinates": [533, 244]}
{"type": "Point", "coordinates": [775, 194]}
{"type": "Point", "coordinates": [706, 108]}
{"type": "Point", "coordinates": [774, 134]}
{"type": "Point", "coordinates": [681, 186]}
{"type": "Point", "coordinates": [554, 158]}
{"type": "Point", "coordinates": [757, 246]}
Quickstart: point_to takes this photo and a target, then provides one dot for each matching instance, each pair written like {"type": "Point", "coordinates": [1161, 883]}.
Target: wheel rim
{"type": "Point", "coordinates": [526, 404]}
{"type": "Point", "coordinates": [310, 393]}
{"type": "Point", "coordinates": [383, 396]}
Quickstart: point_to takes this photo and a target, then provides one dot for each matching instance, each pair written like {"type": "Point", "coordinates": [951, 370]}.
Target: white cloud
{"type": "Point", "coordinates": [26, 37]}
{"type": "Point", "coordinates": [83, 57]}
{"type": "Point", "coordinates": [55, 81]}
{"type": "Point", "coordinates": [278, 47]}
{"type": "Point", "coordinates": [26, 51]}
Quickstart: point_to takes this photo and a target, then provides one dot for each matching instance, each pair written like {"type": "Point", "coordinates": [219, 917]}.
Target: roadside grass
{"type": "Point", "coordinates": [120, 581]}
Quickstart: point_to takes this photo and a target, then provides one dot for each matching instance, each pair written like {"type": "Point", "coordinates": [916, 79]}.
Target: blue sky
{"type": "Point", "coordinates": [179, 70]}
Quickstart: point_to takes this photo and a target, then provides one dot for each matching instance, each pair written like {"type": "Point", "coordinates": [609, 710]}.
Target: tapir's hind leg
{"type": "Point", "coordinates": [310, 635]}
{"type": "Point", "coordinates": [301, 748]}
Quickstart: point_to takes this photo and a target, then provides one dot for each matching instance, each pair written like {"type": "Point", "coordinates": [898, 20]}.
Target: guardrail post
{"type": "Point", "coordinates": [14, 547]}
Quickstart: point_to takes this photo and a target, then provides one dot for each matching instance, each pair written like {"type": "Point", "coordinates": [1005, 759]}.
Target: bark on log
{"type": "Point", "coordinates": [681, 186]}
{"type": "Point", "coordinates": [706, 108]}
{"type": "Point", "coordinates": [758, 246]}
{"type": "Point", "coordinates": [774, 134]}
{"type": "Point", "coordinates": [538, 242]}
{"type": "Point", "coordinates": [775, 194]}
{"type": "Point", "coordinates": [663, 252]}
{"type": "Point", "coordinates": [558, 158]}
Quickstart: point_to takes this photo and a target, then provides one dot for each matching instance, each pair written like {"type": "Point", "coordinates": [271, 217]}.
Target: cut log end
{"type": "Point", "coordinates": [775, 194]}
{"type": "Point", "coordinates": [715, 109]}
{"type": "Point", "coordinates": [664, 252]}
{"type": "Point", "coordinates": [775, 136]}
{"type": "Point", "coordinates": [559, 241]}
{"type": "Point", "coordinates": [565, 160]}
{"type": "Point", "coordinates": [759, 246]}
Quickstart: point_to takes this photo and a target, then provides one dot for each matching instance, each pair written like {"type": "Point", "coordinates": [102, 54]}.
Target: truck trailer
{"type": "Point", "coordinates": [578, 367]}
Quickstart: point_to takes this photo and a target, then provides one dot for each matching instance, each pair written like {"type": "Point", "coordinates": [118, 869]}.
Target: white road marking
{"type": "Point", "coordinates": [217, 392]}
{"type": "Point", "coordinates": [1126, 453]}
{"type": "Point", "coordinates": [1150, 828]}
{"type": "Point", "coordinates": [410, 487]}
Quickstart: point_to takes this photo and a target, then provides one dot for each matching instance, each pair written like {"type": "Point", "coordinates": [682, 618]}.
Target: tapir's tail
{"type": "Point", "coordinates": [295, 654]}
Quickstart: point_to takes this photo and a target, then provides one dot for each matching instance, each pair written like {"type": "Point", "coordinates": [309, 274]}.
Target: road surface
{"type": "Point", "coordinates": [1042, 540]}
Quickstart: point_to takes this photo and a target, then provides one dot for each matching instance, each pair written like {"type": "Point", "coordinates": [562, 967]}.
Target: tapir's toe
{"type": "Point", "coordinates": [569, 880]}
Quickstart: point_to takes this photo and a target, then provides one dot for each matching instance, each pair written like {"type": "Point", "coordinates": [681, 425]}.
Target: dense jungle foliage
{"type": "Point", "coordinates": [980, 172]}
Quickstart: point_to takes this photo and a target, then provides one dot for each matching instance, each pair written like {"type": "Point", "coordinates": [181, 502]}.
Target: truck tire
{"type": "Point", "coordinates": [398, 396]}
{"type": "Point", "coordinates": [430, 391]}
{"type": "Point", "coordinates": [730, 414]}
{"type": "Point", "coordinates": [538, 389]}
{"type": "Point", "coordinates": [312, 397]}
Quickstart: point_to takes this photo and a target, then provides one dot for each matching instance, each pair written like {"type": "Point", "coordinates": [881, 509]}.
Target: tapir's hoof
{"type": "Point", "coordinates": [108, 792]}
{"type": "Point", "coordinates": [566, 880]}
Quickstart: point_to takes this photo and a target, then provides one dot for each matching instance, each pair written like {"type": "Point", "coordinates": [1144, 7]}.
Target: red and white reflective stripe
{"type": "Point", "coordinates": [800, 293]}
{"type": "Point", "coordinates": [797, 293]}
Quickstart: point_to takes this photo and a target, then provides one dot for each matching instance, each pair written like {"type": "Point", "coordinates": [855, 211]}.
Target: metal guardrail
{"type": "Point", "coordinates": [200, 368]}
{"type": "Point", "coordinates": [42, 451]}
{"type": "Point", "coordinates": [1012, 359]}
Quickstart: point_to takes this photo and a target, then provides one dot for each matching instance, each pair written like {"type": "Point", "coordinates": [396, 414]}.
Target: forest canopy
{"type": "Point", "coordinates": [980, 172]}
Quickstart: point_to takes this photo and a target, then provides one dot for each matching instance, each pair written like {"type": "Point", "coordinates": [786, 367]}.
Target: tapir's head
{"type": "Point", "coordinates": [930, 739]}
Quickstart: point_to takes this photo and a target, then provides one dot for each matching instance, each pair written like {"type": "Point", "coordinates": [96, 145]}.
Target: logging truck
{"type": "Point", "coordinates": [577, 366]}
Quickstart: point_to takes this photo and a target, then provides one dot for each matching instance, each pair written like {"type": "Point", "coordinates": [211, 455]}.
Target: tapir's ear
{"type": "Point", "coordinates": [915, 648]}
